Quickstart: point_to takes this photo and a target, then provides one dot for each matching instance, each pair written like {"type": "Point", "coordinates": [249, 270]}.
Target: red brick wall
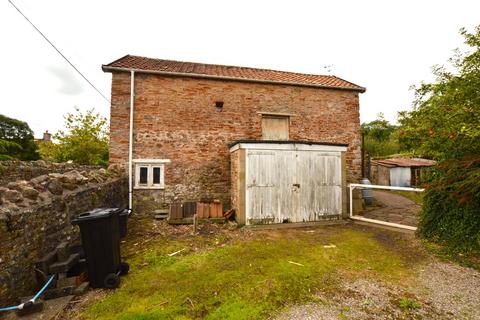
{"type": "Point", "coordinates": [175, 118]}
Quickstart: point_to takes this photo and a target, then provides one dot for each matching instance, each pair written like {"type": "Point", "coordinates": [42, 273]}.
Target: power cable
{"type": "Point", "coordinates": [60, 53]}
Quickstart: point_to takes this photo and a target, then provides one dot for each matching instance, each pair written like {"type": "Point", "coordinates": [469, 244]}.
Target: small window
{"type": "Point", "coordinates": [143, 176]}
{"type": "Point", "coordinates": [156, 175]}
{"type": "Point", "coordinates": [149, 174]}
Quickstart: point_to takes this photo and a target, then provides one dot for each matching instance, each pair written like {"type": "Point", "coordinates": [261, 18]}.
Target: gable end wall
{"type": "Point", "coordinates": [175, 118]}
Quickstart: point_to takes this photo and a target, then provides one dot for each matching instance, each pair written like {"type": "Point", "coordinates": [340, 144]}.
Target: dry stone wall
{"type": "Point", "coordinates": [13, 170]}
{"type": "Point", "coordinates": [36, 214]}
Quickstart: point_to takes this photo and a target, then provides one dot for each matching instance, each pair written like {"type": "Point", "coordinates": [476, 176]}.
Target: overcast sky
{"type": "Point", "coordinates": [385, 46]}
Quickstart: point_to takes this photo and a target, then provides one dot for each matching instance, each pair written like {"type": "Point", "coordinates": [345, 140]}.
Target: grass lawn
{"type": "Point", "coordinates": [416, 197]}
{"type": "Point", "coordinates": [244, 274]}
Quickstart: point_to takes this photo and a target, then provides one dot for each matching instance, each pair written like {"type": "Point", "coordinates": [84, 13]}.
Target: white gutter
{"type": "Point", "coordinates": [216, 77]}
{"type": "Point", "coordinates": [130, 141]}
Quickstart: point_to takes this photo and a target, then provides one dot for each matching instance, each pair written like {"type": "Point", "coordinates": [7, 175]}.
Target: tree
{"type": "Point", "coordinates": [16, 140]}
{"type": "Point", "coordinates": [84, 142]}
{"type": "Point", "coordinates": [445, 124]}
{"type": "Point", "coordinates": [445, 121]}
{"type": "Point", "coordinates": [379, 137]}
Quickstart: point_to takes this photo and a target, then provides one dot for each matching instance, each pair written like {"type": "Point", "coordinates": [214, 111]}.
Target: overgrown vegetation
{"type": "Point", "coordinates": [451, 211]}
{"type": "Point", "coordinates": [84, 142]}
{"type": "Point", "coordinates": [445, 125]}
{"type": "Point", "coordinates": [380, 138]}
{"type": "Point", "coordinates": [16, 140]}
{"type": "Point", "coordinates": [247, 279]}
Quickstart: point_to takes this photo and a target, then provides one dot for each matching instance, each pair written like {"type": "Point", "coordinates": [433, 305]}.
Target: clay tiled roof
{"type": "Point", "coordinates": [142, 64]}
{"type": "Point", "coordinates": [405, 162]}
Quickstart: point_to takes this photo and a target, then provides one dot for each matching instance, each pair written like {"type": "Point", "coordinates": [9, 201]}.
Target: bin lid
{"type": "Point", "coordinates": [98, 213]}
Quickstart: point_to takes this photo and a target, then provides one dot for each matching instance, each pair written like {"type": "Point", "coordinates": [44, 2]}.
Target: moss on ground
{"type": "Point", "coordinates": [217, 277]}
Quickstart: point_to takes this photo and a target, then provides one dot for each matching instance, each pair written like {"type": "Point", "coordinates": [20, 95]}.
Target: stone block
{"type": "Point", "coordinates": [63, 252]}
{"type": "Point", "coordinates": [55, 187]}
{"type": "Point", "coordinates": [64, 266]}
{"type": "Point", "coordinates": [30, 193]}
{"type": "Point", "coordinates": [81, 289]}
{"type": "Point", "coordinates": [44, 263]}
{"type": "Point", "coordinates": [13, 196]}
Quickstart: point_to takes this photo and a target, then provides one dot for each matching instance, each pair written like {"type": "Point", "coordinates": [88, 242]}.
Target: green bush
{"type": "Point", "coordinates": [451, 207]}
{"type": "Point", "coordinates": [84, 142]}
{"type": "Point", "coordinates": [378, 148]}
{"type": "Point", "coordinates": [380, 137]}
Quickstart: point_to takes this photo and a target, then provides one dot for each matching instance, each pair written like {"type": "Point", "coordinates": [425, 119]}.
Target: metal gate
{"type": "Point", "coordinates": [292, 186]}
{"type": "Point", "coordinates": [353, 186]}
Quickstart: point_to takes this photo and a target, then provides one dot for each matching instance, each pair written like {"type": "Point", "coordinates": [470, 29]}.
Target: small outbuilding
{"type": "Point", "coordinates": [287, 181]}
{"type": "Point", "coordinates": [399, 172]}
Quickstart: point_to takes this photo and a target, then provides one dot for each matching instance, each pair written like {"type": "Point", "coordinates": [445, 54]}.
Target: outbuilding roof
{"type": "Point", "coordinates": [203, 70]}
{"type": "Point", "coordinates": [405, 162]}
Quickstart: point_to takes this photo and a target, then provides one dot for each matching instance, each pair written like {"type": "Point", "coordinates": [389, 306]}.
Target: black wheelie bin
{"type": "Point", "coordinates": [123, 222]}
{"type": "Point", "coordinates": [101, 242]}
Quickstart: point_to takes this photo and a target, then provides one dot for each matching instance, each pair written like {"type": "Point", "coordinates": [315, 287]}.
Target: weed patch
{"type": "Point", "coordinates": [408, 304]}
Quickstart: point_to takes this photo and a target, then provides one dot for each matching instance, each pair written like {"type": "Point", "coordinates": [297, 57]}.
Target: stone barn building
{"type": "Point", "coordinates": [176, 126]}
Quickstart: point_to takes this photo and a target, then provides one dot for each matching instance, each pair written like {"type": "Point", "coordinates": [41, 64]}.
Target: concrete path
{"type": "Point", "coordinates": [395, 209]}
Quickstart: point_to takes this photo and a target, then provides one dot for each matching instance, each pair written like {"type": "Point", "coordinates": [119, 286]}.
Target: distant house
{"type": "Point", "coordinates": [275, 146]}
{"type": "Point", "coordinates": [399, 172]}
{"type": "Point", "coordinates": [47, 137]}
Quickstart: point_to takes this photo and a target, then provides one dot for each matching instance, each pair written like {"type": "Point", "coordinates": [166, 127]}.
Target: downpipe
{"type": "Point", "coordinates": [130, 142]}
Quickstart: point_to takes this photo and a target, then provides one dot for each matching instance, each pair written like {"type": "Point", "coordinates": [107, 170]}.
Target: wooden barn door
{"type": "Point", "coordinates": [292, 186]}
{"type": "Point", "coordinates": [320, 185]}
{"type": "Point", "coordinates": [269, 177]}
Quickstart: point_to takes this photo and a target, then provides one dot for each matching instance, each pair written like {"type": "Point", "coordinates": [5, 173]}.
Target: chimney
{"type": "Point", "coordinates": [47, 136]}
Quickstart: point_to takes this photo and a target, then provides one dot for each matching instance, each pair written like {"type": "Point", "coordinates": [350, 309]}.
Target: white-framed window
{"type": "Point", "coordinates": [150, 173]}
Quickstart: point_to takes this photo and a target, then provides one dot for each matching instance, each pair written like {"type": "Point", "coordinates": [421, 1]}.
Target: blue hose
{"type": "Point", "coordinates": [9, 308]}
{"type": "Point", "coordinates": [39, 293]}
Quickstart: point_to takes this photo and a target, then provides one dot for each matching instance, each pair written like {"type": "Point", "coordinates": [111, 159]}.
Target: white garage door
{"type": "Point", "coordinates": [292, 186]}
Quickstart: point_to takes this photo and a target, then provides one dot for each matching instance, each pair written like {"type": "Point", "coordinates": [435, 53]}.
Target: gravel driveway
{"type": "Point", "coordinates": [442, 291]}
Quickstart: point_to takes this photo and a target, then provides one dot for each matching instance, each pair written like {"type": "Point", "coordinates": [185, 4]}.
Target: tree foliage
{"type": "Point", "coordinates": [16, 140]}
{"type": "Point", "coordinates": [84, 142]}
{"type": "Point", "coordinates": [445, 125]}
{"type": "Point", "coordinates": [380, 137]}
{"type": "Point", "coordinates": [451, 210]}
{"type": "Point", "coordinates": [445, 121]}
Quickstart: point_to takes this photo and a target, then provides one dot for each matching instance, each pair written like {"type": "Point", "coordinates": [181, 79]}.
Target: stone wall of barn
{"type": "Point", "coordinates": [36, 214]}
{"type": "Point", "coordinates": [176, 118]}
